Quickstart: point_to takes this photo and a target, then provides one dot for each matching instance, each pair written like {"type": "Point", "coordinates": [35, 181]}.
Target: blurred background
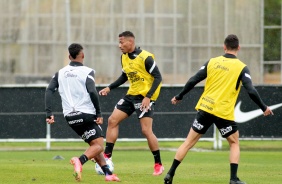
{"type": "Point", "coordinates": [183, 34]}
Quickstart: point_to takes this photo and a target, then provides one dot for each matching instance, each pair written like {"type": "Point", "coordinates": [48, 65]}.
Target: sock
{"type": "Point", "coordinates": [109, 149]}
{"type": "Point", "coordinates": [157, 156]}
{"type": "Point", "coordinates": [106, 170]}
{"type": "Point", "coordinates": [83, 158]}
{"type": "Point", "coordinates": [233, 171]}
{"type": "Point", "coordinates": [173, 167]}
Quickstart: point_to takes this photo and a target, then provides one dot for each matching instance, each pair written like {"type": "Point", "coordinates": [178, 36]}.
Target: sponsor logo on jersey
{"type": "Point", "coordinates": [225, 130]}
{"type": "Point", "coordinates": [137, 105]}
{"type": "Point", "coordinates": [69, 74]}
{"type": "Point", "coordinates": [198, 125]}
{"type": "Point", "coordinates": [219, 66]}
{"type": "Point", "coordinates": [74, 113]}
{"type": "Point", "coordinates": [75, 121]}
{"type": "Point", "coordinates": [88, 134]}
{"type": "Point", "coordinates": [133, 76]}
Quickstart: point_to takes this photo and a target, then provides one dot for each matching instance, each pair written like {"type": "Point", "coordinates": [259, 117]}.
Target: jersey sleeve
{"type": "Point", "coordinates": [91, 89]}
{"type": "Point", "coordinates": [246, 79]}
{"type": "Point", "coordinates": [153, 69]}
{"type": "Point", "coordinates": [52, 87]}
{"type": "Point", "coordinates": [121, 80]}
{"type": "Point", "coordinates": [198, 77]}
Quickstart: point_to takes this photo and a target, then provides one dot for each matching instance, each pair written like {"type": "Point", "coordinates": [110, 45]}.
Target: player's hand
{"type": "Point", "coordinates": [267, 112]}
{"type": "Point", "coordinates": [105, 91]}
{"type": "Point", "coordinates": [50, 120]}
{"type": "Point", "coordinates": [99, 120]}
{"type": "Point", "coordinates": [174, 101]}
{"type": "Point", "coordinates": [145, 104]}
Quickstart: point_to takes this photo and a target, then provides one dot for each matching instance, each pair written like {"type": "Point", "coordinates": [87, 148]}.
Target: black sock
{"type": "Point", "coordinates": [173, 167]}
{"type": "Point", "coordinates": [83, 158]}
{"type": "Point", "coordinates": [157, 156]}
{"type": "Point", "coordinates": [233, 171]}
{"type": "Point", "coordinates": [106, 170]}
{"type": "Point", "coordinates": [109, 149]}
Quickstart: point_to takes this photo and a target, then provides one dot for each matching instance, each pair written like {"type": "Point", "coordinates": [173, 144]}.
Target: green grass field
{"type": "Point", "coordinates": [260, 163]}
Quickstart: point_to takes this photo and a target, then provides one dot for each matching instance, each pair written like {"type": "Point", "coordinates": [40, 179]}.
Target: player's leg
{"type": "Point", "coordinates": [84, 125]}
{"type": "Point", "coordinates": [113, 125]}
{"type": "Point", "coordinates": [191, 139]}
{"type": "Point", "coordinates": [95, 149]}
{"type": "Point", "coordinates": [146, 122]}
{"type": "Point", "coordinates": [233, 141]}
{"type": "Point", "coordinates": [99, 158]}
{"type": "Point", "coordinates": [234, 157]}
{"type": "Point", "coordinates": [123, 109]}
{"type": "Point", "coordinates": [229, 130]}
{"type": "Point", "coordinates": [199, 127]}
{"type": "Point", "coordinates": [112, 130]}
{"type": "Point", "coordinates": [147, 131]}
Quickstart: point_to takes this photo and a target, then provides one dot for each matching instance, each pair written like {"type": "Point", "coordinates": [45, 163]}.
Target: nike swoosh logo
{"type": "Point", "coordinates": [242, 117]}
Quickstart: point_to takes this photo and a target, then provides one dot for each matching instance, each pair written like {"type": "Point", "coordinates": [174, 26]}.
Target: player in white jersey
{"type": "Point", "coordinates": [80, 101]}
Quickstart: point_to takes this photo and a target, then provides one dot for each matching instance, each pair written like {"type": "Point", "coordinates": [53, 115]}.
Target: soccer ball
{"type": "Point", "coordinates": [99, 170]}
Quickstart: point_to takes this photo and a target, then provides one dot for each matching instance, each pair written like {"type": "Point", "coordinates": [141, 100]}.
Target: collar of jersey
{"type": "Point", "coordinates": [75, 63]}
{"type": "Point", "coordinates": [229, 55]}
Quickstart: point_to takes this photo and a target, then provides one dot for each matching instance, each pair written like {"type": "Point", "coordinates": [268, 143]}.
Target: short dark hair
{"type": "Point", "coordinates": [126, 34]}
{"type": "Point", "coordinates": [74, 49]}
{"type": "Point", "coordinates": [231, 42]}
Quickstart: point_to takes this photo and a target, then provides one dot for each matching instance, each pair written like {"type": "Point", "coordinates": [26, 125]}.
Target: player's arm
{"type": "Point", "coordinates": [198, 77]}
{"type": "Point", "coordinates": [153, 69]}
{"type": "Point", "coordinates": [50, 90]}
{"type": "Point", "coordinates": [246, 79]}
{"type": "Point", "coordinates": [91, 89]}
{"type": "Point", "coordinates": [121, 80]}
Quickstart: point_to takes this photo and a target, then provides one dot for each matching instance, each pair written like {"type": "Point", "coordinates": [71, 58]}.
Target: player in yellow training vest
{"type": "Point", "coordinates": [224, 76]}
{"type": "Point", "coordinates": [140, 69]}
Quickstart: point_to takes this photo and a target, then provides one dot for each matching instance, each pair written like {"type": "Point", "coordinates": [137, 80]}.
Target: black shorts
{"type": "Point", "coordinates": [204, 120]}
{"type": "Point", "coordinates": [131, 103]}
{"type": "Point", "coordinates": [84, 125]}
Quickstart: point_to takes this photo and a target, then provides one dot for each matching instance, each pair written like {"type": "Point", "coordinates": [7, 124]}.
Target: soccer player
{"type": "Point", "coordinates": [224, 76]}
{"type": "Point", "coordinates": [140, 69]}
{"type": "Point", "coordinates": [80, 101]}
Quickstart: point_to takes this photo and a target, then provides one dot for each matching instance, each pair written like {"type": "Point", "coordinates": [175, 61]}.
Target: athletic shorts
{"type": "Point", "coordinates": [204, 120]}
{"type": "Point", "coordinates": [84, 125]}
{"type": "Point", "coordinates": [131, 103]}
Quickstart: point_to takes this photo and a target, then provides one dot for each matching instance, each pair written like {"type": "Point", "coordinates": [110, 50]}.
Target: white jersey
{"type": "Point", "coordinates": [73, 90]}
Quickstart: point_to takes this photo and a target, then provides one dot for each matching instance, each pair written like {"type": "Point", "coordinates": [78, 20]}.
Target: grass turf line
{"type": "Point", "coordinates": [136, 167]}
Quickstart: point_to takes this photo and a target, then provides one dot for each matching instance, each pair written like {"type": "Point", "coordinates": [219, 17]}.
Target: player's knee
{"type": "Point", "coordinates": [112, 122]}
{"type": "Point", "coordinates": [147, 132]}
{"type": "Point", "coordinates": [99, 148]}
{"type": "Point", "coordinates": [233, 141]}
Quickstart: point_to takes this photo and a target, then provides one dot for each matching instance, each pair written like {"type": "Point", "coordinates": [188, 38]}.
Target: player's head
{"type": "Point", "coordinates": [126, 42]}
{"type": "Point", "coordinates": [231, 43]}
{"type": "Point", "coordinates": [75, 51]}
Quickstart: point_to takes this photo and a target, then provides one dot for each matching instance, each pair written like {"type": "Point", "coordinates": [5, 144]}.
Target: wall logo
{"type": "Point", "coordinates": [242, 117]}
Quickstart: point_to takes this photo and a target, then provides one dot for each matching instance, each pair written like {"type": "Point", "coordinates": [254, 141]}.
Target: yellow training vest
{"type": "Point", "coordinates": [220, 94]}
{"type": "Point", "coordinates": [139, 79]}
